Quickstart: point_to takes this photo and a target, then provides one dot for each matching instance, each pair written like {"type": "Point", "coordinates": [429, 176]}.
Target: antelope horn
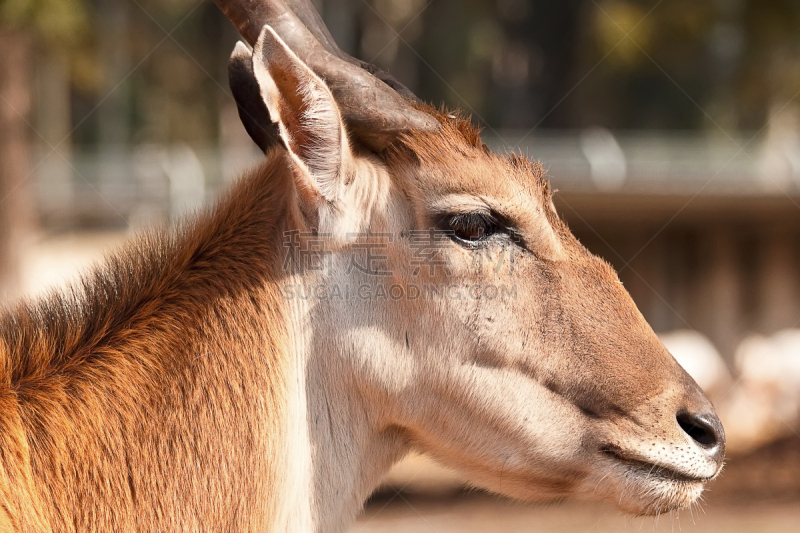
{"type": "Point", "coordinates": [310, 17]}
{"type": "Point", "coordinates": [374, 105]}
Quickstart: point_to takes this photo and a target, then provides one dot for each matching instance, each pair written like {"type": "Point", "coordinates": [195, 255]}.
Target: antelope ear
{"type": "Point", "coordinates": [308, 118]}
{"type": "Point", "coordinates": [252, 110]}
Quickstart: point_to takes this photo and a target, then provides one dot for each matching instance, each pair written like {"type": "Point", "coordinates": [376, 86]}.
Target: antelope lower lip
{"type": "Point", "coordinates": [652, 471]}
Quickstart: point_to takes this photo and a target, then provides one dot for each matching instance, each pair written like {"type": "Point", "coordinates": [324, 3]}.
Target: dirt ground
{"type": "Point", "coordinates": [486, 514]}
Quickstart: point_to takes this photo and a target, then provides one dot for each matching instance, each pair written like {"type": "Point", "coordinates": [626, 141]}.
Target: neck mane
{"type": "Point", "coordinates": [152, 394]}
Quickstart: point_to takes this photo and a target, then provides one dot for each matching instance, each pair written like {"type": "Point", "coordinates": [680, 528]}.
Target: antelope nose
{"type": "Point", "coordinates": [706, 430]}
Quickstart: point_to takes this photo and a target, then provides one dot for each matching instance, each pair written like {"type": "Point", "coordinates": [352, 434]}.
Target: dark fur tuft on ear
{"type": "Point", "coordinates": [253, 111]}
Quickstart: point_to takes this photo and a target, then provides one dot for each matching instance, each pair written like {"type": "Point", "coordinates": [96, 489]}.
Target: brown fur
{"type": "Point", "coordinates": [455, 131]}
{"type": "Point", "coordinates": [458, 138]}
{"type": "Point", "coordinates": [137, 399]}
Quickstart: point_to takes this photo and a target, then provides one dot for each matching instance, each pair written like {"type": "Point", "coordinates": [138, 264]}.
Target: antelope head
{"type": "Point", "coordinates": [455, 312]}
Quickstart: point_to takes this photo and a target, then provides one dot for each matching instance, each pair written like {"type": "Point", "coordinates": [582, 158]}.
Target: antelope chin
{"type": "Point", "coordinates": [645, 489]}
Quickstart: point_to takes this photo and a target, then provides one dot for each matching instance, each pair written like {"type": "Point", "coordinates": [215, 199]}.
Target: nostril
{"type": "Point", "coordinates": [700, 429]}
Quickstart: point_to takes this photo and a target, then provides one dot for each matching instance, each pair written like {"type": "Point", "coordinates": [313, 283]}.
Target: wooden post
{"type": "Point", "coordinates": [778, 284]}
{"type": "Point", "coordinates": [717, 305]}
{"type": "Point", "coordinates": [16, 208]}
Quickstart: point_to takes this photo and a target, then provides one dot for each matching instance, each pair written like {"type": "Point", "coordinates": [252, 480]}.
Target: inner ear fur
{"type": "Point", "coordinates": [308, 118]}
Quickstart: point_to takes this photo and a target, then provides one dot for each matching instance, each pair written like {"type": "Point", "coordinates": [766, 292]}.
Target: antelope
{"type": "Point", "coordinates": [262, 366]}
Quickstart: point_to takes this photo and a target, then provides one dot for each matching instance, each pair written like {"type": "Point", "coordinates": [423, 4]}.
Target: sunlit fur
{"type": "Point", "coordinates": [151, 396]}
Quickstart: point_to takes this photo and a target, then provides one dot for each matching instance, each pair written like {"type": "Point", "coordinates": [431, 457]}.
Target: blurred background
{"type": "Point", "coordinates": [670, 128]}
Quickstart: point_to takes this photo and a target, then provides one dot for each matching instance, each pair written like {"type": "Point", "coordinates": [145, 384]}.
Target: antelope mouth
{"type": "Point", "coordinates": [652, 471]}
{"type": "Point", "coordinates": [645, 488]}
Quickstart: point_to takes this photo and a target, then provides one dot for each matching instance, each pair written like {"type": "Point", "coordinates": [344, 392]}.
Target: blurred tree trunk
{"type": "Point", "coordinates": [16, 209]}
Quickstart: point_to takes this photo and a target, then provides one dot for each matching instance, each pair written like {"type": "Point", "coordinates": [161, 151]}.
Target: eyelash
{"type": "Point", "coordinates": [470, 228]}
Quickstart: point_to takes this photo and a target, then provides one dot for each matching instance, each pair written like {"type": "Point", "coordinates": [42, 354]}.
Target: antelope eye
{"type": "Point", "coordinates": [471, 227]}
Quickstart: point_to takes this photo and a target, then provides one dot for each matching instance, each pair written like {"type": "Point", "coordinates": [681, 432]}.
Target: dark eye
{"type": "Point", "coordinates": [471, 227]}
